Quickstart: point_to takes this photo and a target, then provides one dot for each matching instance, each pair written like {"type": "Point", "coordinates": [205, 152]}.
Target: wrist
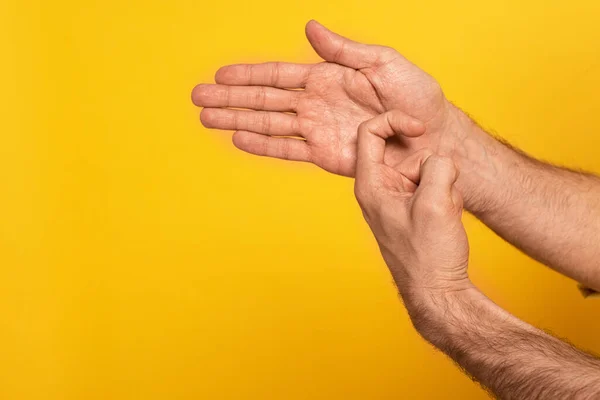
{"type": "Point", "coordinates": [441, 314]}
{"type": "Point", "coordinates": [479, 158]}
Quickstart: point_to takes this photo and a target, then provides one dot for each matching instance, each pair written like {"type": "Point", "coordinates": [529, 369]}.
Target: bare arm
{"type": "Point", "coordinates": [512, 359]}
{"type": "Point", "coordinates": [551, 213]}
{"type": "Point", "coordinates": [425, 246]}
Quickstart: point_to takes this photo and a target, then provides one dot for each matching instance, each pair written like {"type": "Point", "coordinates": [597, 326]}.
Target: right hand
{"type": "Point", "coordinates": [356, 83]}
{"type": "Point", "coordinates": [414, 210]}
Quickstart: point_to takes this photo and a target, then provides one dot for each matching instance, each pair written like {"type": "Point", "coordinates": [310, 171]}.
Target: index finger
{"type": "Point", "coordinates": [275, 74]}
{"type": "Point", "coordinates": [373, 133]}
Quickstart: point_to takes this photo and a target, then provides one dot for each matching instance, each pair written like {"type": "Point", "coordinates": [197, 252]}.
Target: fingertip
{"type": "Point", "coordinates": [222, 74]}
{"type": "Point", "coordinates": [248, 142]}
{"type": "Point", "coordinates": [416, 127]}
{"type": "Point", "coordinates": [404, 124]}
{"type": "Point", "coordinates": [206, 118]}
{"type": "Point", "coordinates": [198, 94]}
{"type": "Point", "coordinates": [311, 30]}
{"type": "Point", "coordinates": [313, 23]}
{"type": "Point", "coordinates": [320, 38]}
{"type": "Point", "coordinates": [444, 166]}
{"type": "Point", "coordinates": [238, 139]}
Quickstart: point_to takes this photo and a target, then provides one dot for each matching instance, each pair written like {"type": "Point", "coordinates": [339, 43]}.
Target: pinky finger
{"type": "Point", "coordinates": [268, 146]}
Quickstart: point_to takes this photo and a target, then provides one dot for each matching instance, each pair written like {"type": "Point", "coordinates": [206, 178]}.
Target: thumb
{"type": "Point", "coordinates": [438, 175]}
{"type": "Point", "coordinates": [411, 166]}
{"type": "Point", "coordinates": [340, 50]}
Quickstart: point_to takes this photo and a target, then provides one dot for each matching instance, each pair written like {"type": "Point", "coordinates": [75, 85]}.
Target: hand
{"type": "Point", "coordinates": [413, 209]}
{"type": "Point", "coordinates": [356, 83]}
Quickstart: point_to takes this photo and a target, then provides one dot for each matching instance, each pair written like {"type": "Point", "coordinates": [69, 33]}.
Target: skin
{"type": "Point", "coordinates": [400, 213]}
{"type": "Point", "coordinates": [498, 184]}
{"type": "Point", "coordinates": [355, 84]}
{"type": "Point", "coordinates": [412, 202]}
{"type": "Point", "coordinates": [414, 211]}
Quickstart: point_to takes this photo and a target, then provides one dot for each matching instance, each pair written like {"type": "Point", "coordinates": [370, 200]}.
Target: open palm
{"type": "Point", "coordinates": [311, 112]}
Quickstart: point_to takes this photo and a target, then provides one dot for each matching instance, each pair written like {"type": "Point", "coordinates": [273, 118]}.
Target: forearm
{"type": "Point", "coordinates": [551, 213]}
{"type": "Point", "coordinates": [509, 357]}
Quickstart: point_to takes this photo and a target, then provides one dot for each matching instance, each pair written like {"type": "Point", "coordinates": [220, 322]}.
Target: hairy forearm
{"type": "Point", "coordinates": [507, 356]}
{"type": "Point", "coordinates": [551, 213]}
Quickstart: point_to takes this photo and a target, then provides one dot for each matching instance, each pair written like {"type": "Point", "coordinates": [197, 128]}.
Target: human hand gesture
{"type": "Point", "coordinates": [413, 209]}
{"type": "Point", "coordinates": [322, 105]}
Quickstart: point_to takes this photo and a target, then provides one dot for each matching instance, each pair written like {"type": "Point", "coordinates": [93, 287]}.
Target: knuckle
{"type": "Point", "coordinates": [362, 194]}
{"type": "Point", "coordinates": [275, 79]}
{"type": "Point", "coordinates": [249, 72]}
{"type": "Point", "coordinates": [264, 148]}
{"type": "Point", "coordinates": [294, 101]}
{"type": "Point", "coordinates": [386, 54]}
{"type": "Point", "coordinates": [260, 97]}
{"type": "Point", "coordinates": [457, 199]}
{"type": "Point", "coordinates": [339, 54]}
{"type": "Point", "coordinates": [284, 148]}
{"type": "Point", "coordinates": [266, 123]}
{"type": "Point", "coordinates": [435, 86]}
{"type": "Point", "coordinates": [225, 97]}
{"type": "Point", "coordinates": [388, 51]}
{"type": "Point", "coordinates": [433, 208]}
{"type": "Point", "coordinates": [296, 125]}
{"type": "Point", "coordinates": [235, 119]}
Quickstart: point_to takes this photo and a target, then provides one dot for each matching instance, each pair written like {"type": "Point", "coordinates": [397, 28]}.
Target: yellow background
{"type": "Point", "coordinates": [142, 257]}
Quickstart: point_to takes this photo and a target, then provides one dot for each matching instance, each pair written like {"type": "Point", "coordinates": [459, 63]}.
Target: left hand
{"type": "Point", "coordinates": [414, 210]}
{"type": "Point", "coordinates": [356, 83]}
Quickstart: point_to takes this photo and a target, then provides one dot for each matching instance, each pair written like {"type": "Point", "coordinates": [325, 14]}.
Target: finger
{"type": "Point", "coordinates": [269, 123]}
{"type": "Point", "coordinates": [382, 127]}
{"type": "Point", "coordinates": [261, 145]}
{"type": "Point", "coordinates": [438, 175]}
{"type": "Point", "coordinates": [410, 167]}
{"type": "Point", "coordinates": [457, 198]}
{"type": "Point", "coordinates": [371, 141]}
{"type": "Point", "coordinates": [403, 124]}
{"type": "Point", "coordinates": [338, 49]}
{"type": "Point", "coordinates": [276, 74]}
{"type": "Point", "coordinates": [256, 98]}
